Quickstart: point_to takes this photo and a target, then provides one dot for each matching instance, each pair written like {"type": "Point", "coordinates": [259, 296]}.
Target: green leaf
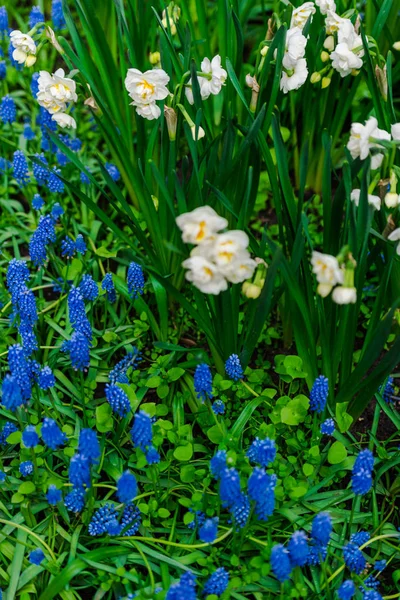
{"type": "Point", "coordinates": [184, 453]}
{"type": "Point", "coordinates": [163, 513]}
{"type": "Point", "coordinates": [187, 474]}
{"type": "Point", "coordinates": [215, 434]}
{"type": "Point", "coordinates": [295, 410]}
{"type": "Point", "coordinates": [28, 487]}
{"type": "Point", "coordinates": [175, 373]}
{"type": "Point", "coordinates": [337, 453]}
{"type": "Point", "coordinates": [104, 420]}
{"type": "Point", "coordinates": [14, 438]}
{"type": "Point", "coordinates": [343, 419]}
{"type": "Point", "coordinates": [154, 381]}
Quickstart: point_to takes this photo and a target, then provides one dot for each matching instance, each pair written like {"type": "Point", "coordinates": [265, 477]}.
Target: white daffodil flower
{"type": "Point", "coordinates": [295, 47]}
{"type": "Point", "coordinates": [300, 15]}
{"type": "Point", "coordinates": [374, 201]}
{"type": "Point", "coordinates": [200, 224]}
{"type": "Point", "coordinates": [240, 269]}
{"type": "Point", "coordinates": [64, 120]}
{"type": "Point", "coordinates": [344, 295]}
{"type": "Point", "coordinates": [24, 52]}
{"type": "Point", "coordinates": [395, 130]}
{"type": "Point", "coordinates": [333, 22]}
{"type": "Point", "coordinates": [392, 199]}
{"type": "Point", "coordinates": [230, 246]}
{"type": "Point", "coordinates": [145, 89]}
{"type": "Point", "coordinates": [55, 91]}
{"type": "Point", "coordinates": [395, 237]}
{"type": "Point", "coordinates": [294, 78]}
{"type": "Point", "coordinates": [210, 84]}
{"type": "Point", "coordinates": [344, 61]}
{"type": "Point", "coordinates": [325, 6]}
{"type": "Point", "coordinates": [327, 271]}
{"type": "Point", "coordinates": [204, 275]}
{"type": "Point", "coordinates": [360, 142]}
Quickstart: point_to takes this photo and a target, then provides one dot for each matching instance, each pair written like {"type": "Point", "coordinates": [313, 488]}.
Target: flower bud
{"type": "Point", "coordinates": [155, 58]}
{"type": "Point", "coordinates": [51, 36]}
{"type": "Point", "coordinates": [392, 199]}
{"type": "Point", "coordinates": [250, 290]}
{"type": "Point", "coordinates": [252, 83]}
{"type": "Point", "coordinates": [264, 50]}
{"type": "Point", "coordinates": [396, 46]}
{"type": "Point", "coordinates": [172, 119]}
{"type": "Point", "coordinates": [329, 43]}
{"type": "Point", "coordinates": [381, 77]}
{"type": "Point", "coordinates": [326, 82]}
{"type": "Point", "coordinates": [355, 72]}
{"type": "Point", "coordinates": [395, 131]}
{"type": "Point", "coordinates": [325, 56]}
{"type": "Point", "coordinates": [315, 77]}
{"type": "Point", "coordinates": [30, 60]}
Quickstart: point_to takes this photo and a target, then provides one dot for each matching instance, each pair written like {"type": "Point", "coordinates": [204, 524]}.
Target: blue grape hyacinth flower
{"type": "Point", "coordinates": [321, 528]}
{"type": "Point", "coordinates": [280, 563]}
{"type": "Point", "coordinates": [108, 286]}
{"type": "Point", "coordinates": [126, 487]}
{"type": "Point", "coordinates": [135, 280]}
{"type": "Point", "coordinates": [36, 556]}
{"type": "Point", "coordinates": [346, 590]}
{"type": "Point", "coordinates": [208, 530]}
{"type": "Point", "coordinates": [8, 110]}
{"type": "Point", "coordinates": [29, 437]}
{"type": "Point", "coordinates": [54, 495]}
{"type": "Point", "coordinates": [89, 446]}
{"type": "Point", "coordinates": [354, 558]}
{"type": "Point", "coordinates": [217, 583]}
{"type": "Point", "coordinates": [117, 399]}
{"type": "Point", "coordinates": [203, 382]}
{"type": "Point", "coordinates": [52, 435]}
{"type": "Point", "coordinates": [26, 468]}
{"type": "Point", "coordinates": [233, 368]}
{"type": "Point", "coordinates": [298, 549]}
{"type": "Point", "coordinates": [262, 452]}
{"type": "Point", "coordinates": [319, 394]}
{"type": "Point", "coordinates": [328, 427]}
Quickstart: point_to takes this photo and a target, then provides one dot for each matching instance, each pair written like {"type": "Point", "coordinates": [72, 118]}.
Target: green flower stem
{"type": "Point", "coordinates": [175, 544]}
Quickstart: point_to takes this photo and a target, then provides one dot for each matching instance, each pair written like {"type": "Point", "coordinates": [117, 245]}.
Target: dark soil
{"type": "Point", "coordinates": [363, 426]}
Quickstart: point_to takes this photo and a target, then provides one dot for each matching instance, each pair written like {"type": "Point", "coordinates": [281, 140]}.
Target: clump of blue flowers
{"type": "Point", "coordinates": [233, 368]}
{"type": "Point", "coordinates": [319, 394]}
{"type": "Point", "coordinates": [203, 382]}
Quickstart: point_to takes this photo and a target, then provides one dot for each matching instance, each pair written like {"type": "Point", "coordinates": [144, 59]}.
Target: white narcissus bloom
{"type": "Point", "coordinates": [395, 237]}
{"type": "Point", "coordinates": [24, 52]}
{"type": "Point", "coordinates": [211, 84]}
{"type": "Point", "coordinates": [392, 199]}
{"type": "Point", "coordinates": [240, 269]}
{"type": "Point", "coordinates": [55, 91]}
{"type": "Point", "coordinates": [344, 295]}
{"type": "Point", "coordinates": [333, 22]}
{"type": "Point", "coordinates": [294, 78]}
{"type": "Point", "coordinates": [300, 15]}
{"type": "Point", "coordinates": [295, 47]}
{"type": "Point", "coordinates": [148, 111]}
{"type": "Point", "coordinates": [326, 5]}
{"type": "Point", "coordinates": [395, 130]}
{"type": "Point", "coordinates": [204, 275]}
{"type": "Point", "coordinates": [64, 120]}
{"type": "Point", "coordinates": [145, 89]}
{"type": "Point", "coordinates": [327, 271]}
{"type": "Point", "coordinates": [200, 224]}
{"type": "Point", "coordinates": [349, 50]}
{"type": "Point", "coordinates": [360, 142]}
{"type": "Point", "coordinates": [374, 201]}
{"type": "Point", "coordinates": [344, 61]}
{"type": "Point", "coordinates": [230, 246]}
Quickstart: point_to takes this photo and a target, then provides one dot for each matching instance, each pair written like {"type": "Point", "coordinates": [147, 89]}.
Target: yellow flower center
{"type": "Point", "coordinates": [208, 271]}
{"type": "Point", "coordinates": [201, 233]}
{"type": "Point", "coordinates": [148, 89]}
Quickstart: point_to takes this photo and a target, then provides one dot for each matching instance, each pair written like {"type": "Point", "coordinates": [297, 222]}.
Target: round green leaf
{"type": "Point", "coordinates": [184, 452]}
{"type": "Point", "coordinates": [337, 453]}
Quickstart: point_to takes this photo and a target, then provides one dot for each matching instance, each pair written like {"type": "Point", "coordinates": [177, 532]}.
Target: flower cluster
{"type": "Point", "coordinates": [142, 436]}
{"type": "Point", "coordinates": [145, 89]}
{"type": "Point", "coordinates": [330, 273]}
{"type": "Point", "coordinates": [55, 93]}
{"type": "Point", "coordinates": [210, 79]}
{"type": "Point", "coordinates": [361, 478]}
{"type": "Point", "coordinates": [79, 344]}
{"type": "Point", "coordinates": [217, 257]}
